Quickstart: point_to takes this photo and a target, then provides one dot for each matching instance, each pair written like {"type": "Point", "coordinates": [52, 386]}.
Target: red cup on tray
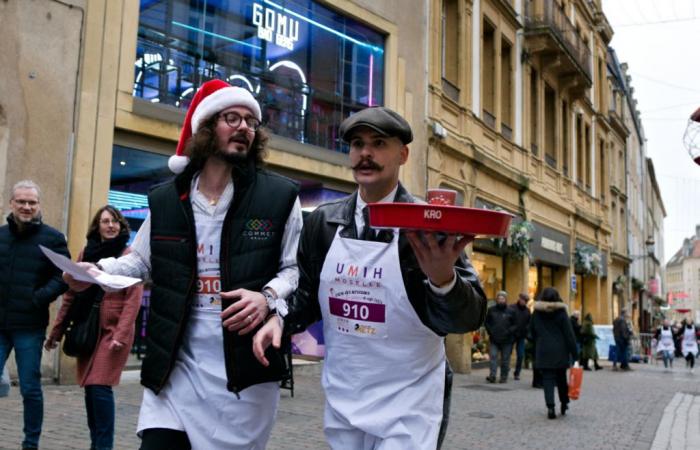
{"type": "Point", "coordinates": [441, 197]}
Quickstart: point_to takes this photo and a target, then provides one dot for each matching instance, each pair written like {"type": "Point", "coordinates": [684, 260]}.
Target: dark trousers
{"type": "Point", "coordinates": [621, 356]}
{"type": "Point", "coordinates": [99, 405]}
{"type": "Point", "coordinates": [552, 378]}
{"type": "Point", "coordinates": [164, 439]}
{"type": "Point", "coordinates": [504, 350]}
{"type": "Point", "coordinates": [519, 355]}
{"type": "Point", "coordinates": [690, 360]}
{"type": "Point", "coordinates": [27, 345]}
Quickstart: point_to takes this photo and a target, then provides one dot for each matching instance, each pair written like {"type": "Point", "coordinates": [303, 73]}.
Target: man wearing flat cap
{"type": "Point", "coordinates": [387, 299]}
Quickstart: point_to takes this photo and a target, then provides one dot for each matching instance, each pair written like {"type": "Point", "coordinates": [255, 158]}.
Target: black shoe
{"type": "Point", "coordinates": [598, 367]}
{"type": "Point", "coordinates": [491, 379]}
{"type": "Point", "coordinates": [586, 368]}
{"type": "Point", "coordinates": [537, 385]}
{"type": "Point", "coordinates": [503, 380]}
{"type": "Point", "coordinates": [564, 407]}
{"type": "Point", "coordinates": [516, 377]}
{"type": "Point", "coordinates": [551, 414]}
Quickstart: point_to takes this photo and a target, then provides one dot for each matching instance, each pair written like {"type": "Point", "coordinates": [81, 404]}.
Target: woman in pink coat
{"type": "Point", "coordinates": [99, 371]}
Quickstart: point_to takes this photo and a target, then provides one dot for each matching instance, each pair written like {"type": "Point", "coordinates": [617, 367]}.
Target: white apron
{"type": "Point", "coordinates": [384, 373]}
{"type": "Point", "coordinates": [666, 342]}
{"type": "Point", "coordinates": [690, 342]}
{"type": "Point", "coordinates": [195, 398]}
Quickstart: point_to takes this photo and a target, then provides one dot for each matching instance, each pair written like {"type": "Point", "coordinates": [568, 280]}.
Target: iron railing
{"type": "Point", "coordinates": [547, 15]}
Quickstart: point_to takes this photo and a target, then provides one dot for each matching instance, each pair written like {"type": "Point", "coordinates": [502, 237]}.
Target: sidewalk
{"type": "Point", "coordinates": [617, 410]}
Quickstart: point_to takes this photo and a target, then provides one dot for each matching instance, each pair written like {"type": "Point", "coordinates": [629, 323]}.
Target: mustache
{"type": "Point", "coordinates": [240, 137]}
{"type": "Point", "coordinates": [367, 164]}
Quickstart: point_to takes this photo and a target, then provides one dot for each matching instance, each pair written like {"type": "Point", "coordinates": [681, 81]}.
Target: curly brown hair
{"type": "Point", "coordinates": [202, 144]}
{"type": "Point", "coordinates": [94, 229]}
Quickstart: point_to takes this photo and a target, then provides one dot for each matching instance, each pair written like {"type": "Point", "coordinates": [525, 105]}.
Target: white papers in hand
{"type": "Point", "coordinates": [105, 280]}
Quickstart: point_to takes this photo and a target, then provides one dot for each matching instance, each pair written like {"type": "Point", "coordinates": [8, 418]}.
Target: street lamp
{"type": "Point", "coordinates": [651, 247]}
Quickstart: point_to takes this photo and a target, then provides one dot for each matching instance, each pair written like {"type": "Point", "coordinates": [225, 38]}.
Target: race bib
{"type": "Point", "coordinates": [359, 312]}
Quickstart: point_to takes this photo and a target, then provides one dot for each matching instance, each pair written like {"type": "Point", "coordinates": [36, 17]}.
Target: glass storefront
{"type": "Point", "coordinates": [309, 66]}
{"type": "Point", "coordinates": [539, 277]}
{"type": "Point", "coordinates": [490, 269]}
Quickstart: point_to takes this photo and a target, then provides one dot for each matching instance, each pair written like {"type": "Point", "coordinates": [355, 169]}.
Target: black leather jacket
{"type": "Point", "coordinates": [461, 310]}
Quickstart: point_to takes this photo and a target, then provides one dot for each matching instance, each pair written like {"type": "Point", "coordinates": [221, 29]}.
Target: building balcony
{"type": "Point", "coordinates": [550, 34]}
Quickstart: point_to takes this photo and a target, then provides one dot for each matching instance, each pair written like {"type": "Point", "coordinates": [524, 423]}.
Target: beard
{"type": "Point", "coordinates": [237, 159]}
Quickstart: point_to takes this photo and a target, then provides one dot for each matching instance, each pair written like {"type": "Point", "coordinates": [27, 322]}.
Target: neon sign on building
{"type": "Point", "coordinates": [275, 27]}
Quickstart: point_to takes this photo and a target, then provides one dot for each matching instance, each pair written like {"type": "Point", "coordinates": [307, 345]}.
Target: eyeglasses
{"type": "Point", "coordinates": [234, 119]}
{"type": "Point", "coordinates": [109, 221]}
{"type": "Point", "coordinates": [30, 203]}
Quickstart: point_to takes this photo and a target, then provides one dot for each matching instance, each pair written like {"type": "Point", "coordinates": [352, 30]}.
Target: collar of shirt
{"type": "Point", "coordinates": [359, 220]}
{"type": "Point", "coordinates": [201, 203]}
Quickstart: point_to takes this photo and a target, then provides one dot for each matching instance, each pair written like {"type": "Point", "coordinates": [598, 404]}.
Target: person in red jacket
{"type": "Point", "coordinates": [100, 370]}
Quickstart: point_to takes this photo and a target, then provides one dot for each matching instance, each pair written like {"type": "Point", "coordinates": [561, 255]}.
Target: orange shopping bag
{"type": "Point", "coordinates": [575, 381]}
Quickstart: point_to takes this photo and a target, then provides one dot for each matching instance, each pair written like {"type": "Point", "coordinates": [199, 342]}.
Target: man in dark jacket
{"type": "Point", "coordinates": [502, 328]}
{"type": "Point", "coordinates": [622, 333]}
{"type": "Point", "coordinates": [28, 284]}
{"type": "Point", "coordinates": [387, 299]}
{"type": "Point", "coordinates": [522, 320]}
{"type": "Point", "coordinates": [220, 246]}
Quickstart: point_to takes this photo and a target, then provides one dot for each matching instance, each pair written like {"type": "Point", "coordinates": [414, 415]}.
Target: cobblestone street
{"type": "Point", "coordinates": [616, 411]}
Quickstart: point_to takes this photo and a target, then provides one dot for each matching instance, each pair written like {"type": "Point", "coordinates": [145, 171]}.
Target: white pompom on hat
{"type": "Point", "coordinates": [211, 98]}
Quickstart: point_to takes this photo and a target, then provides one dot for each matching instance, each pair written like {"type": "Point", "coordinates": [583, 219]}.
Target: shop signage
{"type": "Point", "coordinates": [573, 283]}
{"type": "Point", "coordinates": [550, 246]}
{"type": "Point", "coordinates": [275, 27]}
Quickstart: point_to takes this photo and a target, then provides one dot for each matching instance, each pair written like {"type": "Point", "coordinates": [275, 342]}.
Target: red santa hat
{"type": "Point", "coordinates": [211, 98]}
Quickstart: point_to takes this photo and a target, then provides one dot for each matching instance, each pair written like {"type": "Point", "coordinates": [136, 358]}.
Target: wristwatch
{"type": "Point", "coordinates": [275, 305]}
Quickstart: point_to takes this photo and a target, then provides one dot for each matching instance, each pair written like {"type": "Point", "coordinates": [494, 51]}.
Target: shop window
{"type": "Point", "coordinates": [309, 66]}
{"type": "Point", "coordinates": [450, 48]}
{"type": "Point", "coordinates": [490, 271]}
{"type": "Point", "coordinates": [134, 172]}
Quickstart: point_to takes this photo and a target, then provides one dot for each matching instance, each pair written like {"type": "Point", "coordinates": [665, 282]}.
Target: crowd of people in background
{"type": "Point", "coordinates": [676, 340]}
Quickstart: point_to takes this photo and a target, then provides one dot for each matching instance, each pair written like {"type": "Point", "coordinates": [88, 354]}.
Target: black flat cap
{"type": "Point", "coordinates": [382, 120]}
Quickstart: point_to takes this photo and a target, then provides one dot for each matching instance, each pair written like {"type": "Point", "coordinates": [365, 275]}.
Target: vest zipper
{"type": "Point", "coordinates": [180, 328]}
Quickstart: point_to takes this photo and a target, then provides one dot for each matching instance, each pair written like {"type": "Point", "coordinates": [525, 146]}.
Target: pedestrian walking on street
{"type": "Point", "coordinates": [622, 332]}
{"type": "Point", "coordinates": [555, 347]}
{"type": "Point", "coordinates": [522, 322]}
{"type": "Point", "coordinates": [502, 327]}
{"type": "Point", "coordinates": [29, 282]}
{"type": "Point", "coordinates": [665, 346]}
{"type": "Point", "coordinates": [689, 345]}
{"type": "Point", "coordinates": [384, 325]}
{"type": "Point", "coordinates": [219, 245]}
{"type": "Point", "coordinates": [588, 349]}
{"type": "Point", "coordinates": [102, 368]}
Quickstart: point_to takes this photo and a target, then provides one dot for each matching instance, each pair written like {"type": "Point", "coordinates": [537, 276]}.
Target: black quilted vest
{"type": "Point", "coordinates": [250, 252]}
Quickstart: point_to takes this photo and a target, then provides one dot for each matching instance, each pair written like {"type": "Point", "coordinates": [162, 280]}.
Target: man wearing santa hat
{"type": "Point", "coordinates": [219, 245]}
{"type": "Point", "coordinates": [387, 299]}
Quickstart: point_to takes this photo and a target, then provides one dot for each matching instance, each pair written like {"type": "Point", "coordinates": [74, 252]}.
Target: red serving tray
{"type": "Point", "coordinates": [448, 219]}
